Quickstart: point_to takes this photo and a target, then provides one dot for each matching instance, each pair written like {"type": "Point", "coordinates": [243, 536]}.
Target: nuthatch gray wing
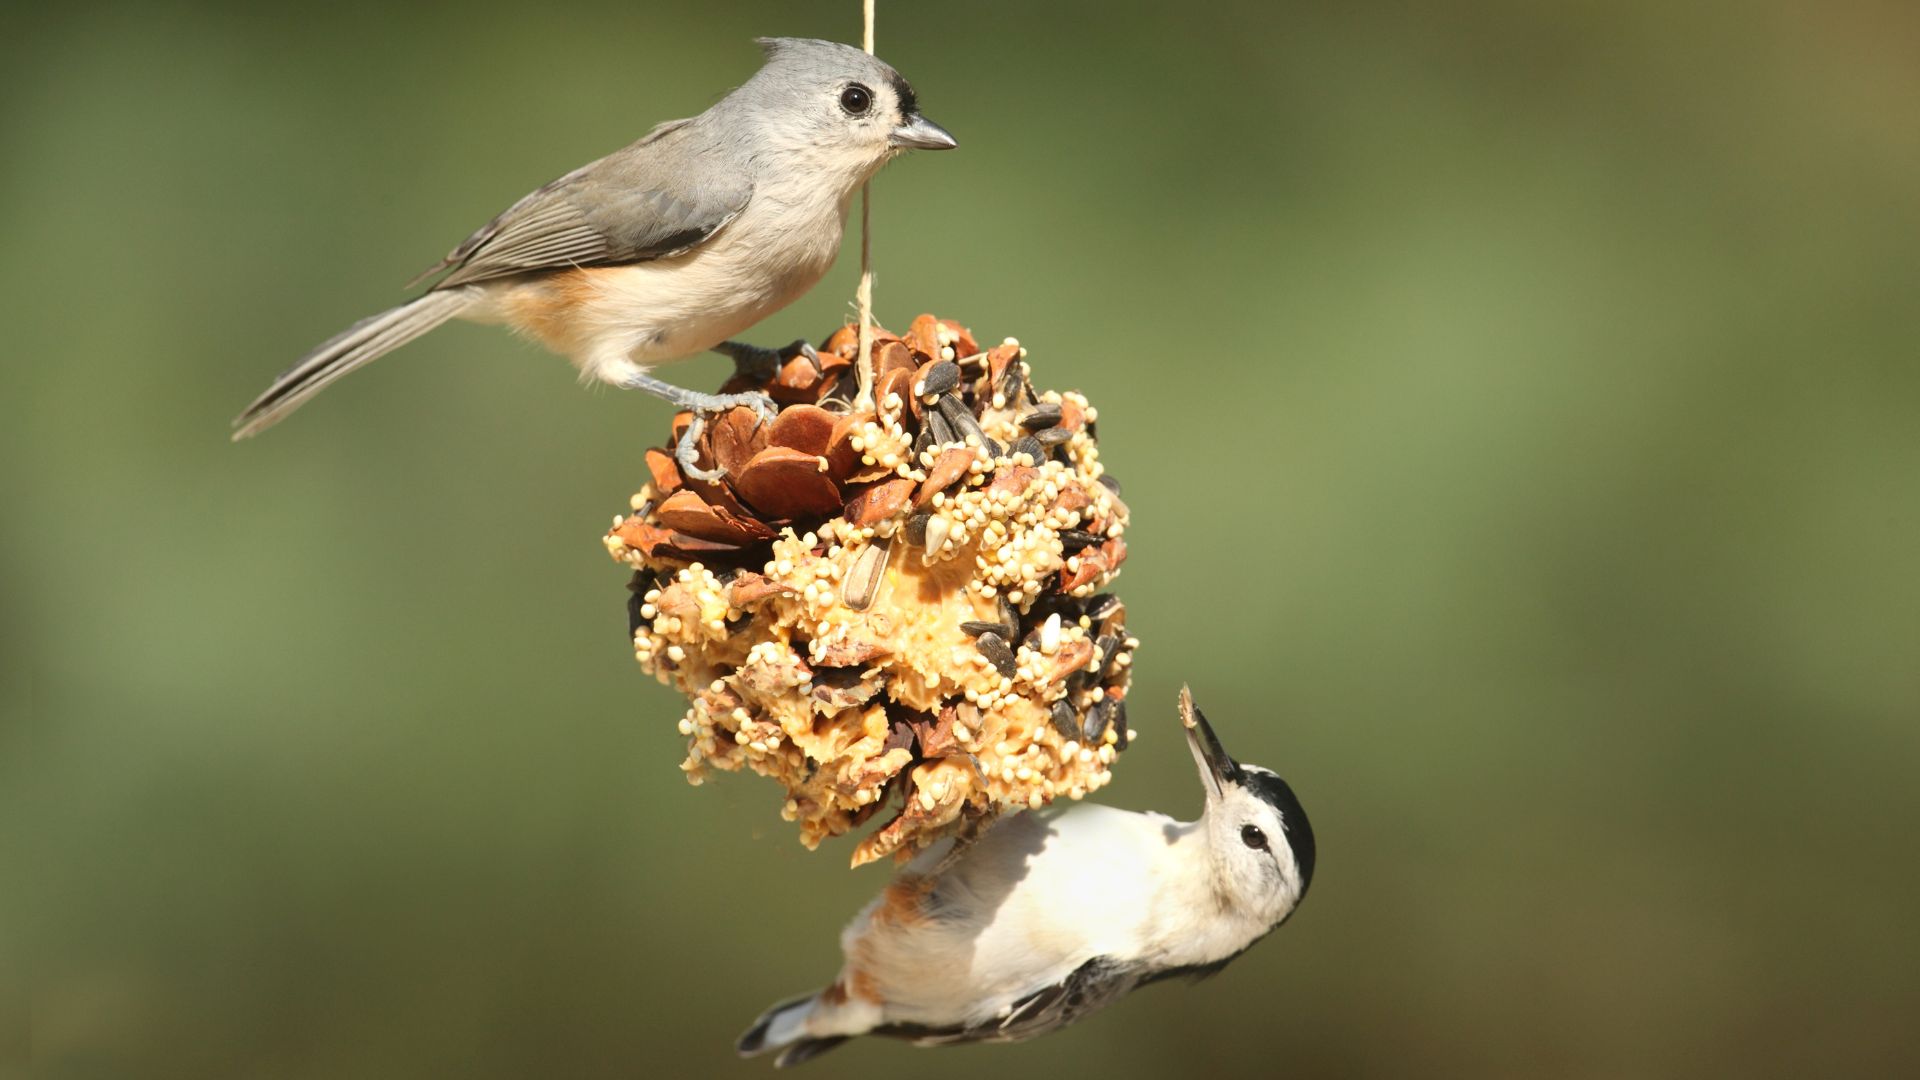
{"type": "Point", "coordinates": [1049, 916]}
{"type": "Point", "coordinates": [670, 246]}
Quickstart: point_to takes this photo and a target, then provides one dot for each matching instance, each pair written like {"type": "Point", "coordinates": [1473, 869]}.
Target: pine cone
{"type": "Point", "coordinates": [901, 601]}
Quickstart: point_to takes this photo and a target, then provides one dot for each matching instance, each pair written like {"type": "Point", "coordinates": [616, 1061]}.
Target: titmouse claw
{"type": "Point", "coordinates": [758, 362]}
{"type": "Point", "coordinates": [687, 452]}
{"type": "Point", "coordinates": [805, 348]}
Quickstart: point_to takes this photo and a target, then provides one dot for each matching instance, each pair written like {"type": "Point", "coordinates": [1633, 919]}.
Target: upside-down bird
{"type": "Point", "coordinates": [1051, 915]}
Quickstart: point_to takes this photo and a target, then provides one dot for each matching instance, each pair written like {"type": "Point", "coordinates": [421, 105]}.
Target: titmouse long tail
{"type": "Point", "coordinates": [366, 340]}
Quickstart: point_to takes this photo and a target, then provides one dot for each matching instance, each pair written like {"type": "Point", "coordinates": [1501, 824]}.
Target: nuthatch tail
{"type": "Point", "coordinates": [670, 246]}
{"type": "Point", "coordinates": [1050, 916]}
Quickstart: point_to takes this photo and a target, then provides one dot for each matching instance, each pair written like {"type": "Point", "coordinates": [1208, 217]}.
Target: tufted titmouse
{"type": "Point", "coordinates": [668, 247]}
{"type": "Point", "coordinates": [1050, 916]}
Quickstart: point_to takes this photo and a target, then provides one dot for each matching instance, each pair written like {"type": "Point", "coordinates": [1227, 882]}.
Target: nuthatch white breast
{"type": "Point", "coordinates": [670, 246]}
{"type": "Point", "coordinates": [1049, 916]}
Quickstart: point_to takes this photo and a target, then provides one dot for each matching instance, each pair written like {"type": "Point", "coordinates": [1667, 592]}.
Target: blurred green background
{"type": "Point", "coordinates": [1518, 406]}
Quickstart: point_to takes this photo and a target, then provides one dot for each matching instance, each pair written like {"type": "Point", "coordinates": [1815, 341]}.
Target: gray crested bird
{"type": "Point", "coordinates": [668, 247]}
{"type": "Point", "coordinates": [1050, 915]}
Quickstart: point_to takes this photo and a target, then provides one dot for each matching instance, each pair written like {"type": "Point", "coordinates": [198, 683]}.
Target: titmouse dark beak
{"type": "Point", "coordinates": [1217, 770]}
{"type": "Point", "coordinates": [920, 133]}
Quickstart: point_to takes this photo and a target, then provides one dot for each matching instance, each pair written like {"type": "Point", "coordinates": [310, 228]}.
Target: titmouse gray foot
{"type": "Point", "coordinates": [687, 453]}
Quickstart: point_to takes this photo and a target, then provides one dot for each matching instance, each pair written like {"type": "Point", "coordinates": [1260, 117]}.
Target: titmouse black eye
{"type": "Point", "coordinates": [1251, 836]}
{"type": "Point", "coordinates": [856, 99]}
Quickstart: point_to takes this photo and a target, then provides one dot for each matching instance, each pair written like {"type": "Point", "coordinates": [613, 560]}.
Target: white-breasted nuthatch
{"type": "Point", "coordinates": [1049, 916]}
{"type": "Point", "coordinates": [670, 246]}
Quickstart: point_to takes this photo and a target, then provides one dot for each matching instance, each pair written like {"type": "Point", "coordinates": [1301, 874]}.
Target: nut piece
{"type": "Point", "coordinates": [784, 484]}
{"type": "Point", "coordinates": [736, 435]}
{"type": "Point", "coordinates": [806, 428]}
{"type": "Point", "coordinates": [951, 465]}
{"type": "Point", "coordinates": [665, 472]}
{"type": "Point", "coordinates": [685, 512]}
{"type": "Point", "coordinates": [879, 502]}
{"type": "Point", "coordinates": [842, 459]}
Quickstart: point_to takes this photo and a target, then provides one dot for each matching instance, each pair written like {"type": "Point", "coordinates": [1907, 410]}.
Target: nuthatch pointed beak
{"type": "Point", "coordinates": [920, 133]}
{"type": "Point", "coordinates": [1217, 770]}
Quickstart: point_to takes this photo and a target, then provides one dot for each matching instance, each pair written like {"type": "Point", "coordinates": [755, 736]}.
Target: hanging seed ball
{"type": "Point", "coordinates": [897, 609]}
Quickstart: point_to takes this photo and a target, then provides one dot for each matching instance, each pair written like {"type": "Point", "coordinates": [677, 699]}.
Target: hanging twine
{"type": "Point", "coordinates": [863, 296]}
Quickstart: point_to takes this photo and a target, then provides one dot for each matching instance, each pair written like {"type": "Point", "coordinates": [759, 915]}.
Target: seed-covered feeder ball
{"type": "Point", "coordinates": [892, 610]}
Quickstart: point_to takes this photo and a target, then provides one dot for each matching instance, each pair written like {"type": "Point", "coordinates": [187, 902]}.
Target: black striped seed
{"type": "Point", "coordinates": [941, 378]}
{"type": "Point", "coordinates": [1072, 540]}
{"type": "Point", "coordinates": [1045, 415]}
{"type": "Point", "coordinates": [1098, 718]}
{"type": "Point", "coordinates": [1063, 720]}
{"type": "Point", "coordinates": [998, 653]}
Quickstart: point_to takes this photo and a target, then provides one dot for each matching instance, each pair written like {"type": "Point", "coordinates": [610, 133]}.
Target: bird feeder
{"type": "Point", "coordinates": [896, 609]}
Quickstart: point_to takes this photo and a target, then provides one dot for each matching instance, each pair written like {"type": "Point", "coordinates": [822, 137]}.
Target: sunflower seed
{"type": "Point", "coordinates": [1050, 634]}
{"type": "Point", "coordinates": [1109, 646]}
{"type": "Point", "coordinates": [1120, 725]}
{"type": "Point", "coordinates": [1072, 540]}
{"type": "Point", "coordinates": [1104, 606]}
{"type": "Point", "coordinates": [916, 530]}
{"type": "Point", "coordinates": [964, 425]}
{"type": "Point", "coordinates": [1063, 720]}
{"type": "Point", "coordinates": [957, 413]}
{"type": "Point", "coordinates": [998, 653]}
{"type": "Point", "coordinates": [1098, 718]}
{"type": "Point", "coordinates": [941, 378]}
{"type": "Point", "coordinates": [869, 570]}
{"type": "Point", "coordinates": [1052, 436]}
{"type": "Point", "coordinates": [1009, 615]}
{"type": "Point", "coordinates": [1013, 379]}
{"type": "Point", "coordinates": [923, 441]}
{"type": "Point", "coordinates": [942, 429]}
{"type": "Point", "coordinates": [938, 528]}
{"type": "Point", "coordinates": [976, 627]}
{"type": "Point", "coordinates": [1107, 481]}
{"type": "Point", "coordinates": [1029, 446]}
{"type": "Point", "coordinates": [1044, 415]}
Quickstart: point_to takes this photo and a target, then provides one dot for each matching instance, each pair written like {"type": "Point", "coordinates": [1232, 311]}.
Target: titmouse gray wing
{"type": "Point", "coordinates": [658, 197]}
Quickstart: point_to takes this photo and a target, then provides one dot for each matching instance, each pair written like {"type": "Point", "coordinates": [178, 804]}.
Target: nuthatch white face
{"type": "Point", "coordinates": [1261, 842]}
{"type": "Point", "coordinates": [670, 246]}
{"type": "Point", "coordinates": [1054, 914]}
